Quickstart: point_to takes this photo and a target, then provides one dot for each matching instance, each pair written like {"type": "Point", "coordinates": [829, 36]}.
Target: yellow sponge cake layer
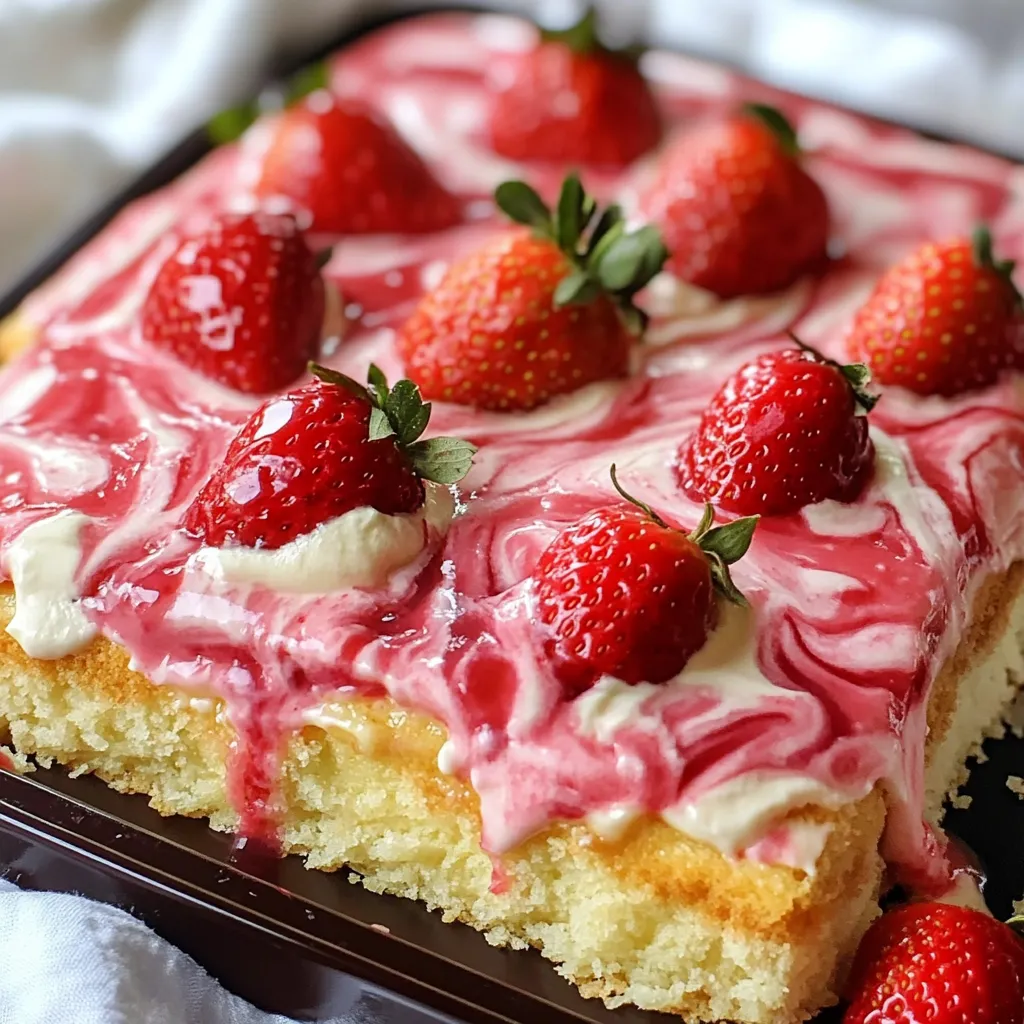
{"type": "Point", "coordinates": [656, 919]}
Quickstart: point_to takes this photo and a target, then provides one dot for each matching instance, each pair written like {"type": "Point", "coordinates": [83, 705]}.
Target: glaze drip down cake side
{"type": "Point", "coordinates": [623, 562]}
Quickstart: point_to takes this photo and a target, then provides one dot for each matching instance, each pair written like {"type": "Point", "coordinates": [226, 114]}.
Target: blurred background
{"type": "Point", "coordinates": [91, 91]}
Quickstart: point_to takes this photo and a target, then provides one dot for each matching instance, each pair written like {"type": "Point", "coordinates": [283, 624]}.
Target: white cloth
{"type": "Point", "coordinates": [66, 960]}
{"type": "Point", "coordinates": [952, 67]}
{"type": "Point", "coordinates": [91, 91]}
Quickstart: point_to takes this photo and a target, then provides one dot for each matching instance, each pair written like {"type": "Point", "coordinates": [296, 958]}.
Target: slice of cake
{"type": "Point", "coordinates": [404, 615]}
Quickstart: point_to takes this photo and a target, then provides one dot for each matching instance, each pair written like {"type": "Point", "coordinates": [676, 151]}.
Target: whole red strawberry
{"type": "Point", "coordinates": [622, 593]}
{"type": "Point", "coordinates": [735, 206]}
{"type": "Point", "coordinates": [242, 303]}
{"type": "Point", "coordinates": [349, 172]}
{"type": "Point", "coordinates": [318, 452]}
{"type": "Point", "coordinates": [571, 100]}
{"type": "Point", "coordinates": [937, 963]}
{"type": "Point", "coordinates": [944, 320]}
{"type": "Point", "coordinates": [534, 315]}
{"type": "Point", "coordinates": [786, 430]}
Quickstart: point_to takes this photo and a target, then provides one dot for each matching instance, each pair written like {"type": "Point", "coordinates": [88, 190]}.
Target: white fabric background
{"type": "Point", "coordinates": [64, 960]}
{"type": "Point", "coordinates": [91, 91]}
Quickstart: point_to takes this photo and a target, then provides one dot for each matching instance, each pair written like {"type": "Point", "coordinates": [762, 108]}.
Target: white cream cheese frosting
{"type": "Point", "coordinates": [362, 548]}
{"type": "Point", "coordinates": [42, 562]}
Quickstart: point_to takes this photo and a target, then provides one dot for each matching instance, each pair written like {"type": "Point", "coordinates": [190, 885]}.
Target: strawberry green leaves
{"type": "Point", "coordinates": [584, 37]}
{"type": "Point", "coordinates": [307, 80]}
{"type": "Point", "coordinates": [445, 460]}
{"type": "Point", "coordinates": [721, 545]}
{"type": "Point", "coordinates": [857, 375]}
{"type": "Point", "coordinates": [400, 411]}
{"type": "Point", "coordinates": [777, 123]}
{"type": "Point", "coordinates": [580, 38]}
{"type": "Point", "coordinates": [232, 124]}
{"type": "Point", "coordinates": [573, 214]}
{"type": "Point", "coordinates": [520, 202]}
{"type": "Point", "coordinates": [981, 247]}
{"type": "Point", "coordinates": [606, 260]}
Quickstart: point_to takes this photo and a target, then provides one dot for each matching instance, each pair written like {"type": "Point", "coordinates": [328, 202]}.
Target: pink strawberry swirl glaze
{"type": "Point", "coordinates": [855, 606]}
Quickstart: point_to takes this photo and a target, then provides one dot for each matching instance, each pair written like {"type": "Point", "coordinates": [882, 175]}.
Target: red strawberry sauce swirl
{"type": "Point", "coordinates": [855, 606]}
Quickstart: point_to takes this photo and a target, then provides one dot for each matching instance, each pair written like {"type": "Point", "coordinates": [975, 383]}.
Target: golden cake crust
{"type": "Point", "coordinates": [348, 781]}
{"type": "Point", "coordinates": [16, 334]}
{"type": "Point", "coordinates": [345, 786]}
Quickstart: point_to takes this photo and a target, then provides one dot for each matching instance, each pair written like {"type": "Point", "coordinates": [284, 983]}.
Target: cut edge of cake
{"type": "Point", "coordinates": [668, 922]}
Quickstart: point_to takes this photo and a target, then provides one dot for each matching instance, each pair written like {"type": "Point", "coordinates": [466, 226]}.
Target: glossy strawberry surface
{"type": "Point", "coordinates": [931, 963]}
{"type": "Point", "coordinates": [529, 316]}
{"type": "Point", "coordinates": [737, 210]}
{"type": "Point", "coordinates": [242, 302]}
{"type": "Point", "coordinates": [301, 459]}
{"type": "Point", "coordinates": [944, 320]}
{"type": "Point", "coordinates": [344, 170]}
{"type": "Point", "coordinates": [624, 596]}
{"type": "Point", "coordinates": [565, 106]}
{"type": "Point", "coordinates": [784, 431]}
{"type": "Point", "coordinates": [489, 334]}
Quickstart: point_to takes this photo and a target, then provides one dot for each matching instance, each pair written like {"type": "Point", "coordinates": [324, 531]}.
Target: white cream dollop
{"type": "Point", "coordinates": [897, 484]}
{"type": "Point", "coordinates": [734, 814]}
{"type": "Point", "coordinates": [726, 665]}
{"type": "Point", "coordinates": [42, 562]}
{"type": "Point", "coordinates": [684, 311]}
{"type": "Point", "coordinates": [362, 548]}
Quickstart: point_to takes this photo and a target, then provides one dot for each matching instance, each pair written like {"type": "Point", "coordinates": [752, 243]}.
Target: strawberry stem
{"type": "Point", "coordinates": [857, 375]}
{"type": "Point", "coordinates": [581, 38]}
{"type": "Point", "coordinates": [329, 376]}
{"type": "Point", "coordinates": [400, 412]}
{"type": "Point", "coordinates": [777, 123]}
{"type": "Point", "coordinates": [645, 508]}
{"type": "Point", "coordinates": [722, 545]}
{"type": "Point", "coordinates": [606, 260]}
{"type": "Point", "coordinates": [707, 519]}
{"type": "Point", "coordinates": [307, 80]}
{"type": "Point", "coordinates": [981, 246]}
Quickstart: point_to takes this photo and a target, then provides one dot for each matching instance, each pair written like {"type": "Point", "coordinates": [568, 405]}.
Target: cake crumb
{"type": "Point", "coordinates": [12, 761]}
{"type": "Point", "coordinates": [382, 928]}
{"type": "Point", "coordinates": [1015, 717]}
{"type": "Point", "coordinates": [960, 801]}
{"type": "Point", "coordinates": [1015, 784]}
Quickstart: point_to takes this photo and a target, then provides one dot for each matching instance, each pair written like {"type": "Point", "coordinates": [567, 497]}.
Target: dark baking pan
{"type": "Point", "coordinates": [296, 941]}
{"type": "Point", "coordinates": [311, 944]}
